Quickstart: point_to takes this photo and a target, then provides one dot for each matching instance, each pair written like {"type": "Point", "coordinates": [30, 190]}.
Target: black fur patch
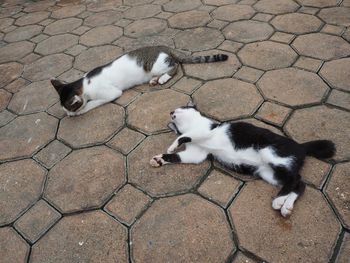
{"type": "Point", "coordinates": [172, 158]}
{"type": "Point", "coordinates": [183, 140]}
{"type": "Point", "coordinates": [97, 71]}
{"type": "Point", "coordinates": [67, 93]}
{"type": "Point", "coordinates": [214, 125]}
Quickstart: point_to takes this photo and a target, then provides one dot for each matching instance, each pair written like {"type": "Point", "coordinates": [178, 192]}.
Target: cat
{"type": "Point", "coordinates": [155, 64]}
{"type": "Point", "coordinates": [244, 148]}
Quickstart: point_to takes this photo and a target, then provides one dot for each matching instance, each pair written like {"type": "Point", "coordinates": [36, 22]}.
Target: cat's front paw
{"type": "Point", "coordinates": [153, 81]}
{"type": "Point", "coordinates": [157, 161]}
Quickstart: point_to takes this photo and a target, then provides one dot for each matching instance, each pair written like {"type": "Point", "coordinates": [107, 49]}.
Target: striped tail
{"type": "Point", "coordinates": [204, 59]}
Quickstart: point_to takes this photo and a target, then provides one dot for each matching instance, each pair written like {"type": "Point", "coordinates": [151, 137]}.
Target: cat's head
{"type": "Point", "coordinates": [183, 118]}
{"type": "Point", "coordinates": [71, 94]}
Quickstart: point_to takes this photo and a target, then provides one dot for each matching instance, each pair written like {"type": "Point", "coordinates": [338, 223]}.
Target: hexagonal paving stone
{"type": "Point", "coordinates": [337, 74]}
{"type": "Point", "coordinates": [36, 6]}
{"type": "Point", "coordinates": [339, 98]}
{"type": "Point", "coordinates": [68, 11]}
{"type": "Point", "coordinates": [48, 67]}
{"type": "Point", "coordinates": [315, 171]}
{"type": "Point", "coordinates": [181, 5]}
{"type": "Point", "coordinates": [198, 39]}
{"type": "Point", "coordinates": [26, 134]}
{"type": "Point", "coordinates": [308, 236]}
{"type": "Point", "coordinates": [6, 117]}
{"type": "Point", "coordinates": [22, 183]}
{"type": "Point", "coordinates": [218, 99]}
{"type": "Point", "coordinates": [322, 46]}
{"type": "Point", "coordinates": [13, 248]}
{"type": "Point", "coordinates": [126, 140]}
{"type": "Point", "coordinates": [209, 71]}
{"type": "Point", "coordinates": [189, 19]}
{"type": "Point", "coordinates": [86, 237]}
{"type": "Point", "coordinates": [63, 26]}
{"type": "Point", "coordinates": [164, 180]}
{"type": "Point", "coordinates": [344, 251]}
{"type": "Point", "coordinates": [145, 27]}
{"type": "Point", "coordinates": [52, 154]}
{"type": "Point", "coordinates": [9, 72]}
{"type": "Point", "coordinates": [150, 112]}
{"type": "Point", "coordinates": [318, 3]}
{"type": "Point", "coordinates": [37, 96]}
{"type": "Point", "coordinates": [102, 18]}
{"type": "Point", "coordinates": [23, 33]}
{"type": "Point", "coordinates": [56, 44]}
{"type": "Point", "coordinates": [15, 51]}
{"type": "Point", "coordinates": [336, 15]}
{"type": "Point", "coordinates": [142, 11]}
{"type": "Point", "coordinates": [5, 23]}
{"type": "Point", "coordinates": [273, 113]}
{"type": "Point", "coordinates": [85, 179]}
{"type": "Point", "coordinates": [297, 23]}
{"type": "Point", "coordinates": [241, 258]}
{"type": "Point", "coordinates": [97, 56]}
{"type": "Point", "coordinates": [293, 86]}
{"type": "Point", "coordinates": [32, 18]}
{"type": "Point", "coordinates": [101, 35]}
{"type": "Point", "coordinates": [322, 122]}
{"type": "Point", "coordinates": [248, 31]}
{"type": "Point", "coordinates": [233, 12]}
{"type": "Point", "coordinates": [276, 6]}
{"type": "Point", "coordinates": [339, 193]}
{"type": "Point", "coordinates": [162, 233]}
{"type": "Point", "coordinates": [96, 126]}
{"type": "Point", "coordinates": [267, 55]}
{"type": "Point", "coordinates": [103, 5]}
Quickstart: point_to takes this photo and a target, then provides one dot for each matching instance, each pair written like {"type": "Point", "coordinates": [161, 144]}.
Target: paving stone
{"type": "Point", "coordinates": [127, 97]}
{"type": "Point", "coordinates": [124, 22]}
{"type": "Point", "coordinates": [127, 204]}
{"type": "Point", "coordinates": [293, 86]}
{"type": "Point", "coordinates": [137, 2]}
{"type": "Point", "coordinates": [16, 85]}
{"type": "Point", "coordinates": [233, 12]}
{"type": "Point", "coordinates": [340, 99]}
{"type": "Point", "coordinates": [46, 22]}
{"type": "Point", "coordinates": [338, 191]}
{"type": "Point", "coordinates": [321, 46]}
{"type": "Point", "coordinates": [230, 46]}
{"type": "Point", "coordinates": [86, 237]}
{"type": "Point", "coordinates": [262, 17]}
{"type": "Point", "coordinates": [56, 44]}
{"type": "Point", "coordinates": [63, 26]}
{"type": "Point", "coordinates": [207, 71]}
{"type": "Point", "coordinates": [273, 113]}
{"type": "Point", "coordinates": [248, 31]}
{"type": "Point", "coordinates": [5, 22]}
{"type": "Point", "coordinates": [219, 187]}
{"type": "Point", "coordinates": [9, 11]}
{"type": "Point", "coordinates": [218, 99]}
{"type": "Point", "coordinates": [142, 11]}
{"type": "Point", "coordinates": [37, 220]}
{"type": "Point", "coordinates": [13, 248]}
{"type": "Point", "coordinates": [23, 33]}
{"type": "Point", "coordinates": [218, 24]}
{"type": "Point", "coordinates": [39, 6]}
{"type": "Point", "coordinates": [220, 2]}
{"type": "Point", "coordinates": [241, 258]}
{"type": "Point", "coordinates": [29, 59]}
{"type": "Point", "coordinates": [126, 140]}
{"type": "Point", "coordinates": [68, 11]}
{"type": "Point", "coordinates": [333, 30]}
{"type": "Point", "coordinates": [129, 44]}
{"type": "Point", "coordinates": [336, 74]}
{"type": "Point", "coordinates": [85, 179]}
{"type": "Point", "coordinates": [150, 112]}
{"type": "Point", "coordinates": [48, 67]}
{"type": "Point", "coordinates": [247, 2]}
{"type": "Point", "coordinates": [145, 27]}
{"type": "Point", "coordinates": [57, 111]}
{"type": "Point", "coordinates": [276, 6]}
{"type": "Point", "coordinates": [37, 96]}
{"type": "Point", "coordinates": [96, 126]}
{"type": "Point", "coordinates": [162, 232]}
{"type": "Point", "coordinates": [165, 180]}
{"type": "Point", "coordinates": [53, 153]}
{"type": "Point", "coordinates": [308, 235]}
{"type": "Point", "coordinates": [22, 183]}
{"type": "Point", "coordinates": [75, 50]}
{"type": "Point", "coordinates": [15, 51]}
{"type": "Point", "coordinates": [101, 35]}
{"type": "Point", "coordinates": [181, 5]}
{"type": "Point", "coordinates": [26, 134]}
{"type": "Point", "coordinates": [5, 98]}
{"type": "Point", "coordinates": [189, 19]}
{"type": "Point", "coordinates": [71, 75]}
{"type": "Point", "coordinates": [102, 18]}
{"type": "Point", "coordinates": [32, 18]}
{"type": "Point", "coordinates": [344, 252]}
{"type": "Point", "coordinates": [81, 30]}
{"type": "Point", "coordinates": [104, 5]}
{"type": "Point", "coordinates": [297, 23]}
{"type": "Point", "coordinates": [9, 72]}
{"type": "Point", "coordinates": [97, 56]}
{"type": "Point", "coordinates": [346, 3]}
{"type": "Point", "coordinates": [9, 29]}
{"type": "Point", "coordinates": [39, 38]}
{"type": "Point", "coordinates": [187, 85]}
{"type": "Point", "coordinates": [248, 74]}
{"type": "Point", "coordinates": [308, 63]}
{"type": "Point", "coordinates": [315, 171]}
{"type": "Point", "coordinates": [321, 122]}
{"type": "Point", "coordinates": [267, 55]}
{"type": "Point", "coordinates": [336, 15]}
{"type": "Point", "coordinates": [318, 3]}
{"type": "Point", "coordinates": [308, 10]}
{"type": "Point", "coordinates": [6, 117]}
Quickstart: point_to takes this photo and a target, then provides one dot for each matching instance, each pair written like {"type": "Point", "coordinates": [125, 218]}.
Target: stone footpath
{"type": "Point", "coordinates": [81, 189]}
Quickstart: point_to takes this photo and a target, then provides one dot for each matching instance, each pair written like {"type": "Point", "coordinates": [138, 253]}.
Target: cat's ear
{"type": "Point", "coordinates": [58, 85]}
{"type": "Point", "coordinates": [173, 127]}
{"type": "Point", "coordinates": [191, 104]}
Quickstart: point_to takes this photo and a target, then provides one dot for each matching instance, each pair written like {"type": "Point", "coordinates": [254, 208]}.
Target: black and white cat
{"type": "Point", "coordinates": [243, 148]}
{"type": "Point", "coordinates": [156, 64]}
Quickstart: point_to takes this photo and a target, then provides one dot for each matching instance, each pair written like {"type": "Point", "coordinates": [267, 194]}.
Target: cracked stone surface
{"type": "Point", "coordinates": [78, 189]}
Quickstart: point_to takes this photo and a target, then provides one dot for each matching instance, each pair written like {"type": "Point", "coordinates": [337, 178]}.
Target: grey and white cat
{"type": "Point", "coordinates": [156, 64]}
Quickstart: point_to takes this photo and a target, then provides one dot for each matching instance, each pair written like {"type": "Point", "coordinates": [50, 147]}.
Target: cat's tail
{"type": "Point", "coordinates": [203, 59]}
{"type": "Point", "coordinates": [320, 149]}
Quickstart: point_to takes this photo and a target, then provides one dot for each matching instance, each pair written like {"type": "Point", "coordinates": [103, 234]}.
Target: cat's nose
{"type": "Point", "coordinates": [171, 113]}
